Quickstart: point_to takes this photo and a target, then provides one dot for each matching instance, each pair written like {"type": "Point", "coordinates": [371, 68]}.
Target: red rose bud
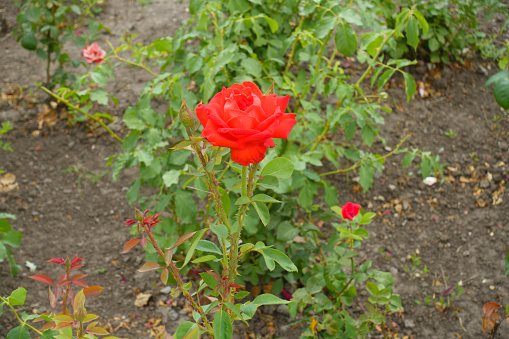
{"type": "Point", "coordinates": [246, 121]}
{"type": "Point", "coordinates": [350, 210]}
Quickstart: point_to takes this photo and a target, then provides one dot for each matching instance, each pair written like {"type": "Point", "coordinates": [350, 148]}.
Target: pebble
{"type": "Point", "coordinates": [405, 205]}
{"type": "Point", "coordinates": [444, 237]}
{"type": "Point", "coordinates": [282, 309]}
{"type": "Point", "coordinates": [484, 184]}
{"type": "Point", "coordinates": [174, 314]}
{"type": "Point", "coordinates": [166, 290]}
{"type": "Point", "coordinates": [392, 187]}
{"type": "Point", "coordinates": [409, 323]}
{"type": "Point", "coordinates": [503, 145]}
{"type": "Point", "coordinates": [466, 253]}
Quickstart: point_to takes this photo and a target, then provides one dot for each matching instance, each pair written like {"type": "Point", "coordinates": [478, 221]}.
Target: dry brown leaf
{"type": "Point", "coordinates": [8, 183]}
{"type": "Point", "coordinates": [142, 299]}
{"type": "Point", "coordinates": [48, 116]}
{"type": "Point", "coordinates": [465, 180]}
{"type": "Point", "coordinates": [256, 290]}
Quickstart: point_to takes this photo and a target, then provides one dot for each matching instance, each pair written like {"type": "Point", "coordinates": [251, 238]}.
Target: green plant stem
{"type": "Point", "coordinates": [88, 115]}
{"type": "Point", "coordinates": [135, 64]}
{"type": "Point", "coordinates": [48, 63]}
{"type": "Point", "coordinates": [320, 137]}
{"type": "Point", "coordinates": [351, 168]}
{"type": "Point", "coordinates": [6, 301]}
{"type": "Point", "coordinates": [234, 251]}
{"type": "Point", "coordinates": [178, 279]}
{"type": "Point", "coordinates": [294, 46]}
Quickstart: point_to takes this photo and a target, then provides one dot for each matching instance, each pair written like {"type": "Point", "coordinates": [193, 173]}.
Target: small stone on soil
{"type": "Point", "coordinates": [409, 323]}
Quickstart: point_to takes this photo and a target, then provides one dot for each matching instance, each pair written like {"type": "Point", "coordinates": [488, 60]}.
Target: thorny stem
{"type": "Point", "coordinates": [234, 251]}
{"type": "Point", "coordinates": [88, 115]}
{"type": "Point", "coordinates": [6, 301]}
{"type": "Point", "coordinates": [135, 64]}
{"type": "Point", "coordinates": [67, 289]}
{"type": "Point", "coordinates": [294, 46]}
{"type": "Point", "coordinates": [178, 278]}
{"type": "Point", "coordinates": [351, 168]}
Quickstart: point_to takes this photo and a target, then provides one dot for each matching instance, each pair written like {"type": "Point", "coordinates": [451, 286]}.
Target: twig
{"type": "Point", "coordinates": [351, 168]}
{"type": "Point", "coordinates": [88, 115]}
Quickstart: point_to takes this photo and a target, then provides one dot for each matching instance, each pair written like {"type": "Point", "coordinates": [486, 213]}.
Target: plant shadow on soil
{"type": "Point", "coordinates": [454, 226]}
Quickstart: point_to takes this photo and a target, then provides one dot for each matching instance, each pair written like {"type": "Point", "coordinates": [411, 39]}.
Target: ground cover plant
{"type": "Point", "coordinates": [298, 216]}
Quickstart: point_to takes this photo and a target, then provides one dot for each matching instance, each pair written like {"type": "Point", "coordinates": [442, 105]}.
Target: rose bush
{"type": "Point", "coordinates": [350, 210]}
{"type": "Point", "coordinates": [243, 119]}
{"type": "Point", "coordinates": [93, 54]}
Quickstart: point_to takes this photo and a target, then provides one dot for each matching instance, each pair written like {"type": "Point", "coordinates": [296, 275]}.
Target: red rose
{"type": "Point", "coordinates": [244, 120]}
{"type": "Point", "coordinates": [350, 210]}
{"type": "Point", "coordinates": [93, 53]}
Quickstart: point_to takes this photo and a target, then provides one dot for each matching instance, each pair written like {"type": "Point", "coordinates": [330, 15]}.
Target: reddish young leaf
{"type": "Point", "coordinates": [62, 279]}
{"type": "Point", "coordinates": [183, 239]}
{"type": "Point", "coordinates": [62, 325]}
{"type": "Point", "coordinates": [149, 266]}
{"type": "Point", "coordinates": [93, 324]}
{"type": "Point", "coordinates": [97, 331]}
{"type": "Point", "coordinates": [78, 276]}
{"type": "Point", "coordinates": [168, 255]}
{"type": "Point", "coordinates": [47, 326]}
{"type": "Point", "coordinates": [64, 318]}
{"type": "Point", "coordinates": [164, 276]}
{"type": "Point", "coordinates": [130, 244]}
{"type": "Point", "coordinates": [92, 291]}
{"type": "Point", "coordinates": [79, 282]}
{"type": "Point", "coordinates": [43, 278]}
{"type": "Point", "coordinates": [52, 299]}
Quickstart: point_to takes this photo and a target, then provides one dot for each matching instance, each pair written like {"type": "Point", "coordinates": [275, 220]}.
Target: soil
{"type": "Point", "coordinates": [458, 227]}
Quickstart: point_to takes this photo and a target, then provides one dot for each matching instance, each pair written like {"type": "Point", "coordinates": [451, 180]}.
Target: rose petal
{"type": "Point", "coordinates": [243, 121]}
{"type": "Point", "coordinates": [256, 91]}
{"type": "Point", "coordinates": [252, 154]}
{"type": "Point", "coordinates": [286, 124]}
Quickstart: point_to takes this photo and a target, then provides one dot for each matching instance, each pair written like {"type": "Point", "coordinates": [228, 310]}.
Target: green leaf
{"type": "Point", "coordinates": [264, 198]}
{"type": "Point", "coordinates": [410, 86]}
{"type": "Point", "coordinates": [171, 177]}
{"type": "Point", "coordinates": [241, 295]}
{"type": "Point", "coordinates": [192, 248]}
{"type": "Point", "coordinates": [17, 296]}
{"type": "Point", "coordinates": [5, 226]}
{"type": "Point", "coordinates": [2, 307]}
{"type": "Point", "coordinates": [366, 175]}
{"type": "Point", "coordinates": [274, 26]}
{"type": "Point", "coordinates": [220, 230]}
{"type": "Point", "coordinates": [279, 168]}
{"type": "Point", "coordinates": [263, 211]}
{"type": "Point", "coordinates": [286, 231]}
{"type": "Point", "coordinates": [496, 77]}
{"type": "Point", "coordinates": [268, 299]}
{"type": "Point", "coordinates": [252, 67]}
{"type": "Point", "coordinates": [281, 258]}
{"type": "Point", "coordinates": [209, 280]}
{"type": "Point", "coordinates": [243, 201]}
{"type": "Point", "coordinates": [423, 24]}
{"type": "Point", "coordinates": [331, 195]}
{"type": "Point", "coordinates": [222, 325]}
{"type": "Point", "coordinates": [20, 332]}
{"type": "Point", "coordinates": [13, 265]}
{"type": "Point", "coordinates": [346, 39]}
{"type": "Point", "coordinates": [407, 160]}
{"type": "Point", "coordinates": [185, 206]}
{"type": "Point", "coordinates": [184, 329]}
{"type": "Point", "coordinates": [29, 42]}
{"type": "Point", "coordinates": [205, 258]}
{"type": "Point", "coordinates": [412, 32]}
{"type": "Point", "coordinates": [32, 13]}
{"type": "Point", "coordinates": [208, 246]}
{"type": "Point", "coordinates": [501, 92]}
{"type": "Point", "coordinates": [7, 215]}
{"type": "Point", "coordinates": [99, 78]}
{"type": "Point", "coordinates": [225, 200]}
{"type": "Point", "coordinates": [12, 238]}
{"type": "Point", "coordinates": [100, 95]}
{"type": "Point", "coordinates": [132, 121]}
{"type": "Point", "coordinates": [368, 137]}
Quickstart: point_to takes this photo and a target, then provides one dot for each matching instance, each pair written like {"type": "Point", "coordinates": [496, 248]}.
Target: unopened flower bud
{"type": "Point", "coordinates": [188, 118]}
{"type": "Point", "coordinates": [138, 215]}
{"type": "Point", "coordinates": [80, 314]}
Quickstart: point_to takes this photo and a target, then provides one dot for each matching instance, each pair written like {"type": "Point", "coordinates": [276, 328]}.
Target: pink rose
{"type": "Point", "coordinates": [93, 54]}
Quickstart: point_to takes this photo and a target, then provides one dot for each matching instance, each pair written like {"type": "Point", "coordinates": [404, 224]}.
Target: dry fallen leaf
{"type": "Point", "coordinates": [8, 183]}
{"type": "Point", "coordinates": [142, 299]}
